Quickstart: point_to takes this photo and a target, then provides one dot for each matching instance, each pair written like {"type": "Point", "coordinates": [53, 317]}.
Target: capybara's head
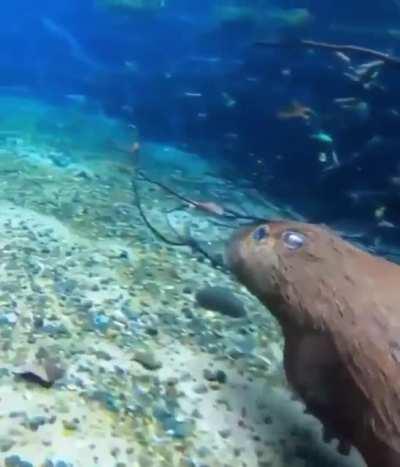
{"type": "Point", "coordinates": [290, 264]}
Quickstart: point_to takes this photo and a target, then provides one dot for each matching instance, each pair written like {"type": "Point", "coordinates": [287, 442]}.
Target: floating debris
{"type": "Point", "coordinates": [323, 137]}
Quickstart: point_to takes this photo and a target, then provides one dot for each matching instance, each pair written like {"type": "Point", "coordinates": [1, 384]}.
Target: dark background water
{"type": "Point", "coordinates": [140, 67]}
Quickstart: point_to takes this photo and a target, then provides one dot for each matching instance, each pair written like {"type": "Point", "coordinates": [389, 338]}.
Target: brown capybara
{"type": "Point", "coordinates": [339, 310]}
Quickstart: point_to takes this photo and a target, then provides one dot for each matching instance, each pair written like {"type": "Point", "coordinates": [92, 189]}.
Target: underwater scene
{"type": "Point", "coordinates": [200, 233]}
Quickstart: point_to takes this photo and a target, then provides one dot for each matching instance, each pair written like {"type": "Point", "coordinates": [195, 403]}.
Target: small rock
{"type": "Point", "coordinates": [218, 376]}
{"type": "Point", "coordinates": [107, 400]}
{"type": "Point", "coordinates": [57, 463]}
{"type": "Point", "coordinates": [222, 300]}
{"type": "Point", "coordinates": [147, 359]}
{"type": "Point", "coordinates": [100, 321]}
{"type": "Point", "coordinates": [203, 451]}
{"type": "Point", "coordinates": [102, 355]}
{"type": "Point", "coordinates": [54, 329]}
{"type": "Point", "coordinates": [197, 414]}
{"type": "Point", "coordinates": [225, 433]}
{"type": "Point", "coordinates": [123, 255]}
{"type": "Point", "coordinates": [60, 159]}
{"type": "Point", "coordinates": [44, 372]}
{"type": "Point", "coordinates": [35, 422]}
{"type": "Point", "coordinates": [8, 319]}
{"type": "Point", "coordinates": [6, 444]}
{"type": "Point", "coordinates": [83, 173]}
{"type": "Point", "coordinates": [71, 425]}
{"type": "Point", "coordinates": [38, 322]}
{"type": "Point", "coordinates": [200, 389]}
{"type": "Point", "coordinates": [214, 386]}
{"type": "Point", "coordinates": [16, 461]}
{"type": "Point", "coordinates": [187, 312]}
{"type": "Point", "coordinates": [173, 425]}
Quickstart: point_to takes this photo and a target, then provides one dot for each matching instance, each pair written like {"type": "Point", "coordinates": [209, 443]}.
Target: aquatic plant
{"type": "Point", "coordinates": [134, 5]}
{"type": "Point", "coordinates": [262, 15]}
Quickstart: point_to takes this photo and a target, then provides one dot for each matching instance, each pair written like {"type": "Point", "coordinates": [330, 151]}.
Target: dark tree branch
{"type": "Point", "coordinates": [230, 213]}
{"type": "Point", "coordinates": [189, 240]}
{"type": "Point", "coordinates": [148, 224]}
{"type": "Point", "coordinates": [350, 49]}
{"type": "Point", "coordinates": [182, 242]}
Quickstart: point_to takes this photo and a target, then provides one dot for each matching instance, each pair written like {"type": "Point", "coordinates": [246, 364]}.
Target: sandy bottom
{"type": "Point", "coordinates": [83, 282]}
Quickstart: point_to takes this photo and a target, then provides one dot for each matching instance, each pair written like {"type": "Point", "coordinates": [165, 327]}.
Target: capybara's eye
{"type": "Point", "coordinates": [293, 240]}
{"type": "Point", "coordinates": [260, 233]}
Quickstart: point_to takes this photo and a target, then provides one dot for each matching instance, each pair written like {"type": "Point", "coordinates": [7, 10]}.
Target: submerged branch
{"type": "Point", "coordinates": [190, 241]}
{"type": "Point", "coordinates": [146, 221]}
{"type": "Point", "coordinates": [372, 53]}
{"type": "Point", "coordinates": [183, 242]}
{"type": "Point", "coordinates": [228, 213]}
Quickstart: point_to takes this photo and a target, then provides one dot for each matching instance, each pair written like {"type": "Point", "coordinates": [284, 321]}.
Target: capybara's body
{"type": "Point", "coordinates": [339, 309]}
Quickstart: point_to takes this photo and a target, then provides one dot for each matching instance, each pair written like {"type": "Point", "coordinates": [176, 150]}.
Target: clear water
{"type": "Point", "coordinates": [135, 137]}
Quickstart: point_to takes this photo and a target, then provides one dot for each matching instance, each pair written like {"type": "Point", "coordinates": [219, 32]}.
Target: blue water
{"type": "Point", "coordinates": [148, 66]}
{"type": "Point", "coordinates": [135, 137]}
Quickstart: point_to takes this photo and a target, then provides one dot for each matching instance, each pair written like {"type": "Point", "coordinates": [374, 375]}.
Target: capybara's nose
{"type": "Point", "coordinates": [233, 252]}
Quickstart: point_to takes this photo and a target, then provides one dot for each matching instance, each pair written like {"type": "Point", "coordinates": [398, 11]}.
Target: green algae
{"type": "Point", "coordinates": [133, 5]}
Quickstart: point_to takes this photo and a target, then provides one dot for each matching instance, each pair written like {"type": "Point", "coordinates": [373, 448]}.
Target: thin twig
{"type": "Point", "coordinates": [190, 241]}
{"type": "Point", "coordinates": [148, 224]}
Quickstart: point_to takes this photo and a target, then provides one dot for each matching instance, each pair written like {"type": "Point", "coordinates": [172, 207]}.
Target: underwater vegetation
{"type": "Point", "coordinates": [261, 15]}
{"type": "Point", "coordinates": [133, 5]}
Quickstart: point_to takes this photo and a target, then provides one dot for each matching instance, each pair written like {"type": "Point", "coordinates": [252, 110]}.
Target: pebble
{"type": "Point", "coordinates": [107, 399]}
{"type": "Point", "coordinates": [200, 389]}
{"type": "Point", "coordinates": [71, 425]}
{"type": "Point", "coordinates": [57, 463]}
{"type": "Point", "coordinates": [44, 372]}
{"type": "Point", "coordinates": [8, 319]}
{"type": "Point", "coordinates": [197, 414]}
{"type": "Point", "coordinates": [102, 355]}
{"type": "Point", "coordinates": [6, 444]}
{"type": "Point", "coordinates": [83, 174]}
{"type": "Point", "coordinates": [173, 425]}
{"type": "Point", "coordinates": [225, 433]}
{"type": "Point", "coordinates": [218, 376]}
{"type": "Point", "coordinates": [16, 461]}
{"type": "Point", "coordinates": [147, 360]}
{"type": "Point", "coordinates": [100, 321]}
{"type": "Point", "coordinates": [35, 422]}
{"type": "Point", "coordinates": [55, 329]}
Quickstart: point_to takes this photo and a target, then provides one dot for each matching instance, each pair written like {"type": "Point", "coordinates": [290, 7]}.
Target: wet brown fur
{"type": "Point", "coordinates": [338, 307]}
